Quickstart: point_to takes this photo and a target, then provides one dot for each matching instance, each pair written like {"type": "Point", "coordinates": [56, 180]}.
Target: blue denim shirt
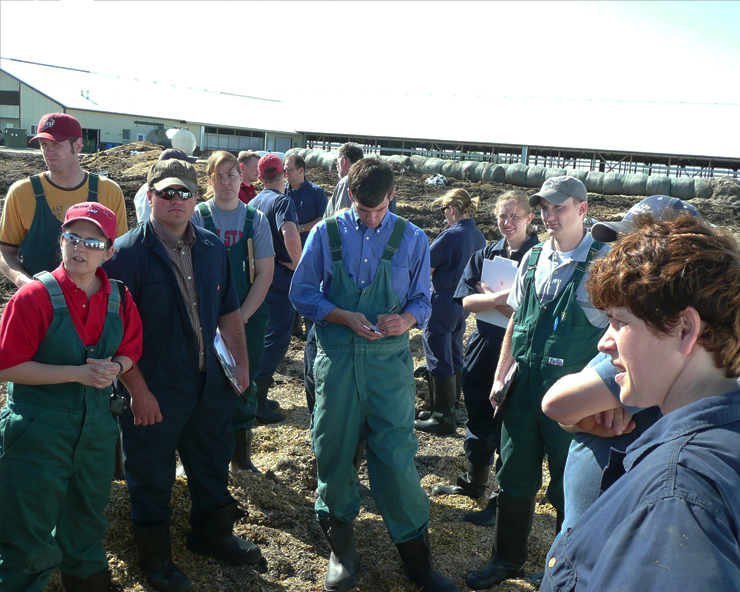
{"type": "Point", "coordinates": [671, 521]}
{"type": "Point", "coordinates": [362, 248]}
{"type": "Point", "coordinates": [450, 253]}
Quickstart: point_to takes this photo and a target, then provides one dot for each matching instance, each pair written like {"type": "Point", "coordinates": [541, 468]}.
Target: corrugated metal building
{"type": "Point", "coordinates": [115, 111]}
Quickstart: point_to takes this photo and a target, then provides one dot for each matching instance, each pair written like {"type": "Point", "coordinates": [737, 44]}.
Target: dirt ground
{"type": "Point", "coordinates": [280, 500]}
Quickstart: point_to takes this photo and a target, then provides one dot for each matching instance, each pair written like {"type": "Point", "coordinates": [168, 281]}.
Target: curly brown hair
{"type": "Point", "coordinates": [666, 266]}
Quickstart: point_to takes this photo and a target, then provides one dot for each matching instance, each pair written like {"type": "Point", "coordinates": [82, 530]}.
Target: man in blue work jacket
{"type": "Point", "coordinates": [363, 279]}
{"type": "Point", "coordinates": [180, 279]}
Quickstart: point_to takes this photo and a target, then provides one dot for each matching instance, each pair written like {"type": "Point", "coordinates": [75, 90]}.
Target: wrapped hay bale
{"type": "Point", "coordinates": [550, 173]}
{"type": "Point", "coordinates": [466, 169]}
{"type": "Point", "coordinates": [477, 172]}
{"type": "Point", "coordinates": [516, 174]}
{"type": "Point", "coordinates": [494, 172]}
{"type": "Point", "coordinates": [682, 187]}
{"type": "Point", "coordinates": [579, 174]}
{"type": "Point", "coordinates": [657, 185]}
{"type": "Point", "coordinates": [328, 161]}
{"type": "Point", "coordinates": [594, 182]}
{"type": "Point", "coordinates": [433, 166]}
{"type": "Point", "coordinates": [448, 167]}
{"type": "Point", "coordinates": [613, 184]}
{"type": "Point", "coordinates": [293, 152]}
{"type": "Point", "coordinates": [499, 173]}
{"type": "Point", "coordinates": [313, 159]}
{"type": "Point", "coordinates": [702, 188]}
{"type": "Point", "coordinates": [635, 184]}
{"type": "Point", "coordinates": [536, 176]}
{"type": "Point", "coordinates": [303, 152]}
{"type": "Point", "coordinates": [400, 161]}
{"type": "Point", "coordinates": [417, 163]}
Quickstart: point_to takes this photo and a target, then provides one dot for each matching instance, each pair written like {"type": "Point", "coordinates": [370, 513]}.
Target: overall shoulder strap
{"type": "Point", "coordinates": [249, 221]}
{"type": "Point", "coordinates": [117, 296]}
{"type": "Point", "coordinates": [395, 240]}
{"type": "Point", "coordinates": [534, 257]}
{"type": "Point", "coordinates": [335, 242]}
{"type": "Point", "coordinates": [54, 289]}
{"type": "Point", "coordinates": [207, 218]}
{"type": "Point", "coordinates": [581, 268]}
{"type": "Point", "coordinates": [38, 188]}
{"type": "Point", "coordinates": [92, 188]}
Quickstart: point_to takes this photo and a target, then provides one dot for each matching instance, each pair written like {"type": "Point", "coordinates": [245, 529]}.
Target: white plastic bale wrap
{"type": "Point", "coordinates": [550, 173]}
{"type": "Point", "coordinates": [594, 182]}
{"type": "Point", "coordinates": [613, 184]}
{"type": "Point", "coordinates": [433, 166]}
{"type": "Point", "coordinates": [303, 152]}
{"type": "Point", "coordinates": [477, 172]}
{"type": "Point", "coordinates": [579, 174]}
{"type": "Point", "coordinates": [635, 184]}
{"type": "Point", "coordinates": [313, 159]}
{"type": "Point", "coordinates": [702, 188]}
{"type": "Point", "coordinates": [499, 173]}
{"type": "Point", "coordinates": [466, 169]}
{"type": "Point", "coordinates": [657, 185]}
{"type": "Point", "coordinates": [294, 152]}
{"type": "Point", "coordinates": [417, 163]}
{"type": "Point", "coordinates": [449, 168]}
{"type": "Point", "coordinates": [535, 176]}
{"type": "Point", "coordinates": [401, 161]}
{"type": "Point", "coordinates": [682, 187]}
{"type": "Point", "coordinates": [328, 161]}
{"type": "Point", "coordinates": [516, 174]}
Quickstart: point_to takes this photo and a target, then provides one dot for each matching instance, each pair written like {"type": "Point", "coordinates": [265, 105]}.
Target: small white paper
{"type": "Point", "coordinates": [498, 274]}
{"type": "Point", "coordinates": [226, 359]}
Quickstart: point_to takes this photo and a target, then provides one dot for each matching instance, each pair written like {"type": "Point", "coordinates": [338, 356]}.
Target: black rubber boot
{"type": "Point", "coordinates": [298, 327]}
{"type": "Point", "coordinates": [416, 555]}
{"type": "Point", "coordinates": [426, 375]}
{"type": "Point", "coordinates": [344, 560]}
{"type": "Point", "coordinates": [473, 483]}
{"type": "Point", "coordinates": [513, 524]}
{"type": "Point", "coordinates": [264, 414]}
{"type": "Point", "coordinates": [102, 582]}
{"type": "Point", "coordinates": [155, 559]}
{"type": "Point", "coordinates": [242, 458]}
{"type": "Point", "coordinates": [212, 535]}
{"type": "Point", "coordinates": [486, 516]}
{"type": "Point", "coordinates": [442, 420]}
{"type": "Point", "coordinates": [119, 473]}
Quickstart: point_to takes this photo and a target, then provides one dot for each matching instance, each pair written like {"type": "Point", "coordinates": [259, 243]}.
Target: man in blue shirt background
{"type": "Point", "coordinates": [364, 281]}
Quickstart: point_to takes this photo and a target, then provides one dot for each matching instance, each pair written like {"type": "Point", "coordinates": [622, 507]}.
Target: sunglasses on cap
{"type": "Point", "coordinates": [169, 194]}
{"type": "Point", "coordinates": [92, 244]}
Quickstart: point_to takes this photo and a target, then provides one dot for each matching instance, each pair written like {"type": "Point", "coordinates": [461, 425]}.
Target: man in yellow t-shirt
{"type": "Point", "coordinates": [35, 207]}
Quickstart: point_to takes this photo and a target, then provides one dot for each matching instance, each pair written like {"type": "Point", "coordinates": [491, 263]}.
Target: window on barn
{"type": "Point", "coordinates": [126, 135]}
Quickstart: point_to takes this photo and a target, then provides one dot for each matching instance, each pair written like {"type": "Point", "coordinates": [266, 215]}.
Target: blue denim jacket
{"type": "Point", "coordinates": [671, 518]}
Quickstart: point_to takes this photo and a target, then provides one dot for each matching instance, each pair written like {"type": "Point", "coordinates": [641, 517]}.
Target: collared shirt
{"type": "Point", "coordinates": [28, 315]}
{"type": "Point", "coordinates": [247, 192]}
{"type": "Point", "coordinates": [552, 275]}
{"type": "Point", "coordinates": [178, 250]}
{"type": "Point", "coordinates": [340, 199]}
{"type": "Point", "coordinates": [671, 520]}
{"type": "Point", "coordinates": [362, 249]}
{"type": "Point", "coordinates": [310, 202]}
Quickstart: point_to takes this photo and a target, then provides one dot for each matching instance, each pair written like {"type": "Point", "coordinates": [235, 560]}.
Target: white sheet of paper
{"type": "Point", "coordinates": [498, 274]}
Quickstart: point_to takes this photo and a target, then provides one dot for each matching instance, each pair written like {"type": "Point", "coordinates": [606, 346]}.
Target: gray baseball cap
{"type": "Point", "coordinates": [557, 189]}
{"type": "Point", "coordinates": [660, 207]}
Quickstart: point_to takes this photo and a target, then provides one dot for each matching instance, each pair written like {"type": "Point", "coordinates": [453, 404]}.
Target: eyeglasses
{"type": "Point", "coordinates": [169, 194]}
{"type": "Point", "coordinates": [74, 240]}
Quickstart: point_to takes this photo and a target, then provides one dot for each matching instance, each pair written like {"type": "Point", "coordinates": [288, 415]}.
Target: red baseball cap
{"type": "Point", "coordinates": [270, 165]}
{"type": "Point", "coordinates": [58, 127]}
{"type": "Point", "coordinates": [96, 213]}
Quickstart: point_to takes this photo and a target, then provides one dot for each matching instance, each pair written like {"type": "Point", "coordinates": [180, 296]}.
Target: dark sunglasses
{"type": "Point", "coordinates": [169, 194]}
{"type": "Point", "coordinates": [93, 245]}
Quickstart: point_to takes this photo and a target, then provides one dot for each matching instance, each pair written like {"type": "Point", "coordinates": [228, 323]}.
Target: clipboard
{"type": "Point", "coordinates": [227, 361]}
{"type": "Point", "coordinates": [498, 274]}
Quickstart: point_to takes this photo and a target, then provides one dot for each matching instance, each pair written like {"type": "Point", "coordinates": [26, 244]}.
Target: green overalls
{"type": "Point", "coordinates": [549, 341]}
{"type": "Point", "coordinates": [244, 416]}
{"type": "Point", "coordinates": [40, 247]}
{"type": "Point", "coordinates": [56, 460]}
{"type": "Point", "coordinates": [366, 384]}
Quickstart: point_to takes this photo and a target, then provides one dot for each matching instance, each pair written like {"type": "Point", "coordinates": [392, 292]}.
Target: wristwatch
{"type": "Point", "coordinates": [303, 228]}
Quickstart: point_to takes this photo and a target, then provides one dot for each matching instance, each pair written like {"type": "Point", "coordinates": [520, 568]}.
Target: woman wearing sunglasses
{"type": "Point", "coordinates": [63, 340]}
{"type": "Point", "coordinates": [444, 330]}
{"type": "Point", "coordinates": [235, 223]}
